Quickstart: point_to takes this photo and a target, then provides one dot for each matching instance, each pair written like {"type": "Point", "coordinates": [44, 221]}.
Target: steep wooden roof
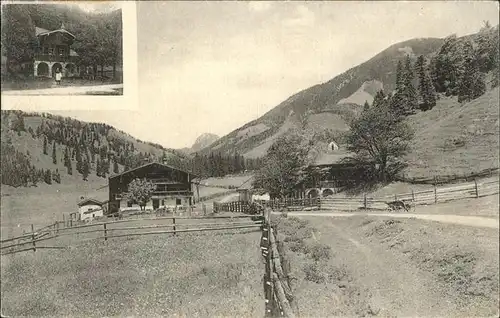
{"type": "Point", "coordinates": [149, 164]}
{"type": "Point", "coordinates": [42, 31]}
{"type": "Point", "coordinates": [89, 200]}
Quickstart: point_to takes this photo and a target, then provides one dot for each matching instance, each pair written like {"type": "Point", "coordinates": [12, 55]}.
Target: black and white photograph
{"type": "Point", "coordinates": [65, 48]}
{"type": "Point", "coordinates": [275, 159]}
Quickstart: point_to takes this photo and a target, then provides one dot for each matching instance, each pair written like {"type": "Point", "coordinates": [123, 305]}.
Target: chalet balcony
{"type": "Point", "coordinates": [56, 58]}
{"type": "Point", "coordinates": [165, 181]}
{"type": "Point", "coordinates": [172, 193]}
{"type": "Point", "coordinates": [327, 184]}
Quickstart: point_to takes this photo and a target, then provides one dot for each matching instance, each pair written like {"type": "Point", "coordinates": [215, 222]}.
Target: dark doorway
{"type": "Point", "coordinates": [55, 67]}
{"type": "Point", "coordinates": [156, 204]}
{"type": "Point", "coordinates": [178, 201]}
{"type": "Point", "coordinates": [42, 69]}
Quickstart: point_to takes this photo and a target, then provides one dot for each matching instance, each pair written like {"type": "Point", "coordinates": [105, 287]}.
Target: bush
{"type": "Point", "coordinates": [320, 252]}
{"type": "Point", "coordinates": [313, 273]}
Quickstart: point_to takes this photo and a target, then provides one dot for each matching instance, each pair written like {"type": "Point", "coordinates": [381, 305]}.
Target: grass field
{"type": "Point", "coordinates": [194, 275]}
{"type": "Point", "coordinates": [43, 205]}
{"type": "Point", "coordinates": [365, 266]}
{"type": "Point", "coordinates": [455, 138]}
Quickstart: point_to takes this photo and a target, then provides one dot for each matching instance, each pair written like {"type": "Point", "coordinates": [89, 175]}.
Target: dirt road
{"type": "Point", "coordinates": [68, 90]}
{"type": "Point", "coordinates": [445, 218]}
{"type": "Point", "coordinates": [404, 268]}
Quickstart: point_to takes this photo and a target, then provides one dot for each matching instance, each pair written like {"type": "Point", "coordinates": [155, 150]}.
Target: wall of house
{"type": "Point", "coordinates": [163, 203]}
{"type": "Point", "coordinates": [98, 211]}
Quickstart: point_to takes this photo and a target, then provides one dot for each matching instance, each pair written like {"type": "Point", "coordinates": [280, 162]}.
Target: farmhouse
{"type": "Point", "coordinates": [173, 187]}
{"type": "Point", "coordinates": [54, 53]}
{"type": "Point", "coordinates": [329, 175]}
{"type": "Point", "coordinates": [90, 208]}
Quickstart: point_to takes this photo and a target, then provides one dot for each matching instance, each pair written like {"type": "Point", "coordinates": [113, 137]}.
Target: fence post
{"type": "Point", "coordinates": [33, 237]}
{"type": "Point", "coordinates": [477, 190]}
{"type": "Point", "coordinates": [364, 201]}
{"type": "Point", "coordinates": [435, 194]}
{"type": "Point", "coordinates": [173, 222]}
{"type": "Point", "coordinates": [395, 197]}
{"type": "Point", "coordinates": [64, 220]}
{"type": "Point", "coordinates": [105, 232]}
{"type": "Point", "coordinates": [412, 195]}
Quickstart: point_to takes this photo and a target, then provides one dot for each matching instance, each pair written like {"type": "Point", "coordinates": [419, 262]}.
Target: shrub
{"type": "Point", "coordinates": [313, 273]}
{"type": "Point", "coordinates": [320, 252]}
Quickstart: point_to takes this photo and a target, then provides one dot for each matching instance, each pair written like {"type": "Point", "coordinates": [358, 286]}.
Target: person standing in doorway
{"type": "Point", "coordinates": [58, 76]}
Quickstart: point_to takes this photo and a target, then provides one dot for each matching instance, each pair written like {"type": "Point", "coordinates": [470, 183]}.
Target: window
{"type": "Point", "coordinates": [45, 50]}
{"type": "Point", "coordinates": [178, 202]}
{"type": "Point", "coordinates": [61, 51]}
{"type": "Point", "coordinates": [129, 204]}
{"type": "Point", "coordinates": [51, 51]}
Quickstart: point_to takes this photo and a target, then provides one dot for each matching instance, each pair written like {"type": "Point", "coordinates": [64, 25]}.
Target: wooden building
{"type": "Point", "coordinates": [173, 187]}
{"type": "Point", "coordinates": [331, 174]}
{"type": "Point", "coordinates": [54, 53]}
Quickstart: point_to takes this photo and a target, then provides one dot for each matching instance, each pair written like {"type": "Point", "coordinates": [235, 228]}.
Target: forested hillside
{"type": "Point", "coordinates": [46, 148]}
{"type": "Point", "coordinates": [98, 35]}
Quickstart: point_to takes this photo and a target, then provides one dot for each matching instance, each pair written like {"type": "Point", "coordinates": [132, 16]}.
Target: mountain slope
{"type": "Point", "coordinates": [324, 97]}
{"type": "Point", "coordinates": [204, 140]}
{"type": "Point", "coordinates": [450, 138]}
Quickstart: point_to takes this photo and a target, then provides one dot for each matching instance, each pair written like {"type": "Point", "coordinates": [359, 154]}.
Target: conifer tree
{"type": "Point", "coordinates": [45, 145]}
{"type": "Point", "coordinates": [379, 99]}
{"type": "Point", "coordinates": [66, 157]}
{"type": "Point", "coordinates": [426, 92]}
{"type": "Point", "coordinates": [366, 106]}
{"type": "Point", "coordinates": [399, 76]}
{"type": "Point", "coordinates": [79, 161]}
{"type": "Point", "coordinates": [85, 169]}
{"type": "Point", "coordinates": [48, 177]}
{"type": "Point", "coordinates": [54, 157]}
{"type": "Point", "coordinates": [404, 101]}
{"type": "Point", "coordinates": [98, 168]}
{"type": "Point", "coordinates": [56, 177]}
{"type": "Point", "coordinates": [471, 83]}
{"type": "Point", "coordinates": [70, 168]}
{"type": "Point", "coordinates": [409, 90]}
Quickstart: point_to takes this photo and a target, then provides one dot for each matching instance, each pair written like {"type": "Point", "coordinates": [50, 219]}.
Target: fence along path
{"type": "Point", "coordinates": [431, 196]}
{"type": "Point", "coordinates": [277, 290]}
{"type": "Point", "coordinates": [108, 230]}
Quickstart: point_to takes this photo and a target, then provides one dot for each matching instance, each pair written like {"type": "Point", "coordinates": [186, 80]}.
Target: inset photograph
{"type": "Point", "coordinates": [69, 48]}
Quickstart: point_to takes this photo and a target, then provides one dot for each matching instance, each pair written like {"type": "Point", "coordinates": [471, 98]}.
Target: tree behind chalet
{"type": "Point", "coordinates": [426, 91]}
{"type": "Point", "coordinates": [284, 166]}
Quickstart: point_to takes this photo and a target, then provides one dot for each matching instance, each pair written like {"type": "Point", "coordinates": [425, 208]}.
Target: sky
{"type": "Point", "coordinates": [211, 67]}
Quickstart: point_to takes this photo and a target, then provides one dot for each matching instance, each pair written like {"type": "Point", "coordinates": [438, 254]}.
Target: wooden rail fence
{"type": "Point", "coordinates": [277, 291]}
{"type": "Point", "coordinates": [295, 204]}
{"type": "Point", "coordinates": [238, 206]}
{"type": "Point", "coordinates": [28, 241]}
{"type": "Point", "coordinates": [432, 196]}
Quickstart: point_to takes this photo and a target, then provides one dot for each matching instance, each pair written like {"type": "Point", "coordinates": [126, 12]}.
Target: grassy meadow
{"type": "Point", "coordinates": [196, 275]}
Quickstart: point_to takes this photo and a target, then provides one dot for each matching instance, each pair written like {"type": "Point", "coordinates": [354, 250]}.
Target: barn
{"type": "Point", "coordinates": [173, 187]}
